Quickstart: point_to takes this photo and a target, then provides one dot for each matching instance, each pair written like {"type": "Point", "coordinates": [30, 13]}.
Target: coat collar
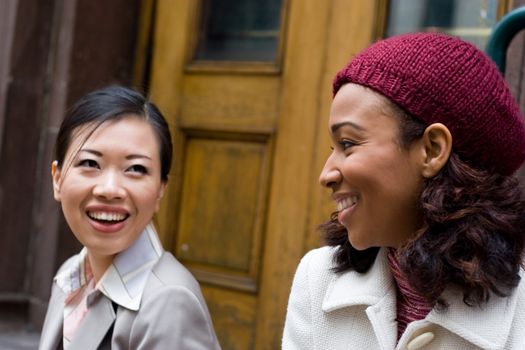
{"type": "Point", "coordinates": [486, 327]}
{"type": "Point", "coordinates": [352, 288]}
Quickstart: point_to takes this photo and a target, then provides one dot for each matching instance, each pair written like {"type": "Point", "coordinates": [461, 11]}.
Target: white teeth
{"type": "Point", "coordinates": [105, 216]}
{"type": "Point", "coordinates": [346, 202]}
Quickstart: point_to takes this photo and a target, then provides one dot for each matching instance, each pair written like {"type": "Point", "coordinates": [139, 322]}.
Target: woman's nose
{"type": "Point", "coordinates": [330, 175]}
{"type": "Point", "coordinates": [109, 186]}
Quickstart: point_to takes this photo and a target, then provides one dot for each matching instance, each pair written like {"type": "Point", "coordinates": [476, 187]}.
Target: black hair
{"type": "Point", "coordinates": [111, 104]}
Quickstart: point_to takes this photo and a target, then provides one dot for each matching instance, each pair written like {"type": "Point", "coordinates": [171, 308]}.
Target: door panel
{"type": "Point", "coordinates": [243, 199]}
{"type": "Point", "coordinates": [234, 317]}
{"type": "Point", "coordinates": [230, 102]}
{"type": "Point", "coordinates": [223, 199]}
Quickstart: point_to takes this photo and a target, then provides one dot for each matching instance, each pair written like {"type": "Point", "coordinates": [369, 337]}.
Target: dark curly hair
{"type": "Point", "coordinates": [472, 232]}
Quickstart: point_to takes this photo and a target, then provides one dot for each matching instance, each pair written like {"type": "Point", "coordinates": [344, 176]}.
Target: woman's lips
{"type": "Point", "coordinates": [346, 202]}
{"type": "Point", "coordinates": [107, 226]}
{"type": "Point", "coordinates": [345, 206]}
{"type": "Point", "coordinates": [107, 219]}
{"type": "Point", "coordinates": [106, 216]}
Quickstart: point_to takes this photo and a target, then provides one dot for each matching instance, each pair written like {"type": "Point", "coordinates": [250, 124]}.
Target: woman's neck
{"type": "Point", "coordinates": [99, 265]}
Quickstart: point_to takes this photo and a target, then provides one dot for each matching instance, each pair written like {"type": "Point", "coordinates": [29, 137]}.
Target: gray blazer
{"type": "Point", "coordinates": [172, 315]}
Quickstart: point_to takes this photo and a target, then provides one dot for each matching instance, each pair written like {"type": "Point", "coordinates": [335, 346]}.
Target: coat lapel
{"type": "Point", "coordinates": [96, 325]}
{"type": "Point", "coordinates": [352, 288]}
{"type": "Point", "coordinates": [375, 289]}
{"type": "Point", "coordinates": [52, 329]}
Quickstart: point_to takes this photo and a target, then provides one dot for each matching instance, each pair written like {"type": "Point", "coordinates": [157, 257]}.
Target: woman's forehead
{"type": "Point", "coordinates": [88, 132]}
{"type": "Point", "coordinates": [92, 128]}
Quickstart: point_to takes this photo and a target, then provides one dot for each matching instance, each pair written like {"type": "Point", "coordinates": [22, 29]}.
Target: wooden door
{"type": "Point", "coordinates": [250, 139]}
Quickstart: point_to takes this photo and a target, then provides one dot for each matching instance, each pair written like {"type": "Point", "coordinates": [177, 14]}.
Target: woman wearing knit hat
{"type": "Point", "coordinates": [427, 244]}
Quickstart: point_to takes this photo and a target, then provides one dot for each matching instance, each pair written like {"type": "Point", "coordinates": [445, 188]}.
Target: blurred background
{"type": "Point", "coordinates": [246, 88]}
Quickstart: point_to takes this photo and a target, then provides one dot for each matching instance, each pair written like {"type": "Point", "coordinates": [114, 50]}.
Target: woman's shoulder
{"type": "Point", "coordinates": [70, 263]}
{"type": "Point", "coordinates": [323, 253]}
{"type": "Point", "coordinates": [173, 311]}
{"type": "Point", "coordinates": [317, 265]}
{"type": "Point", "coordinates": [170, 281]}
{"type": "Point", "coordinates": [170, 276]}
{"type": "Point", "coordinates": [319, 258]}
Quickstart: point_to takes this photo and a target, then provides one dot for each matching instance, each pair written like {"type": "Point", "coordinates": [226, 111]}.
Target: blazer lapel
{"type": "Point", "coordinates": [52, 329]}
{"type": "Point", "coordinates": [95, 326]}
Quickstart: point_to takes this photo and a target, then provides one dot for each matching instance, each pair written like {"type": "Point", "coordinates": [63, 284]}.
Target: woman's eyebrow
{"type": "Point", "coordinates": [337, 126]}
{"type": "Point", "coordinates": [92, 151]}
{"type": "Point", "coordinates": [137, 156]}
{"type": "Point", "coordinates": [129, 156]}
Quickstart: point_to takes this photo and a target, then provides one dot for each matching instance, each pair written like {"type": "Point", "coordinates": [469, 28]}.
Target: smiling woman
{"type": "Point", "coordinates": [110, 191]}
{"type": "Point", "coordinates": [372, 175]}
{"type": "Point", "coordinates": [122, 291]}
{"type": "Point", "coordinates": [427, 245]}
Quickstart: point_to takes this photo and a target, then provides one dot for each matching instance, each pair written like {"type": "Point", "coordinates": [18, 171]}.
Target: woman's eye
{"type": "Point", "coordinates": [137, 168]}
{"type": "Point", "coordinates": [346, 144]}
{"type": "Point", "coordinates": [88, 163]}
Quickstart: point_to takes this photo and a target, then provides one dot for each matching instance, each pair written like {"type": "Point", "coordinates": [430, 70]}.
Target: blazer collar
{"type": "Point", "coordinates": [125, 279]}
{"type": "Point", "coordinates": [486, 327]}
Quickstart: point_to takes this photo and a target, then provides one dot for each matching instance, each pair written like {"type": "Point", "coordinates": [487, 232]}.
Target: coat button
{"type": "Point", "coordinates": [420, 341]}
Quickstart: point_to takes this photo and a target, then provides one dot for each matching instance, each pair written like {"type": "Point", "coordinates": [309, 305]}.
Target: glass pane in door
{"type": "Point", "coordinates": [239, 30]}
{"type": "Point", "coordinates": [471, 20]}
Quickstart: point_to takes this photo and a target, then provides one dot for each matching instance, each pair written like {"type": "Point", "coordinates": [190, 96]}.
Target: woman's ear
{"type": "Point", "coordinates": [160, 195]}
{"type": "Point", "coordinates": [437, 142]}
{"type": "Point", "coordinates": [55, 173]}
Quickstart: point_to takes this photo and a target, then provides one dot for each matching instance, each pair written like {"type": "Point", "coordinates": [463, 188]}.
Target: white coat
{"type": "Point", "coordinates": [358, 311]}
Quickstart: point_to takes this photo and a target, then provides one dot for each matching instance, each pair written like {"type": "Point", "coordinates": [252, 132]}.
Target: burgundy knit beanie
{"type": "Point", "coordinates": [439, 78]}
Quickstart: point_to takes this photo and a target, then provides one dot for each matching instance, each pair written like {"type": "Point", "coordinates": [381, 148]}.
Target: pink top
{"type": "Point", "coordinates": [76, 303]}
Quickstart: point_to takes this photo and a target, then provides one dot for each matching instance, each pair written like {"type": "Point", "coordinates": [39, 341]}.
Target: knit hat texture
{"type": "Point", "coordinates": [442, 79]}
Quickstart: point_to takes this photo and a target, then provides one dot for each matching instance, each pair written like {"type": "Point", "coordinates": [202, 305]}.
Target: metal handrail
{"type": "Point", "coordinates": [502, 34]}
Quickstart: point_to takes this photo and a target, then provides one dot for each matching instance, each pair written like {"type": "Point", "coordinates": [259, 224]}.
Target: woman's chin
{"type": "Point", "coordinates": [357, 243]}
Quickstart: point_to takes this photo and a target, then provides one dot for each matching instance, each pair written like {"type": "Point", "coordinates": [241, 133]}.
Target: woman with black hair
{"type": "Point", "coordinates": [122, 291]}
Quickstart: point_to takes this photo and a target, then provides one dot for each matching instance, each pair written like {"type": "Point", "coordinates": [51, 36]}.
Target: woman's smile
{"type": "Point", "coordinates": [107, 216]}
{"type": "Point", "coordinates": [107, 220]}
{"type": "Point", "coordinates": [345, 206]}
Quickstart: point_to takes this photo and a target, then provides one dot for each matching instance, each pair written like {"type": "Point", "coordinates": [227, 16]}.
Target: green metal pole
{"type": "Point", "coordinates": [502, 34]}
